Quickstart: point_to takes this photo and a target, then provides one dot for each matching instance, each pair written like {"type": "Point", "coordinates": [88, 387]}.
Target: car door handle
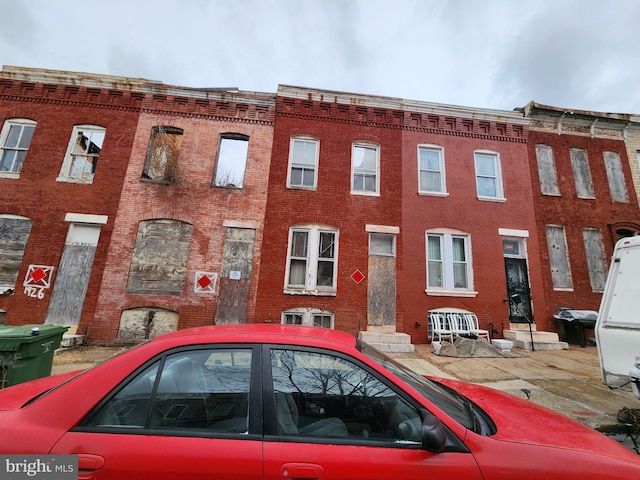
{"type": "Point", "coordinates": [88, 464]}
{"type": "Point", "coordinates": [292, 471]}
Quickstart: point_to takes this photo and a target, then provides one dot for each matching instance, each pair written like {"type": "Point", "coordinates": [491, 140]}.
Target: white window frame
{"type": "Point", "coordinates": [441, 171]}
{"type": "Point", "coordinates": [4, 136]}
{"type": "Point", "coordinates": [307, 317]}
{"type": "Point", "coordinates": [365, 171]}
{"type": "Point", "coordinates": [496, 176]}
{"type": "Point", "coordinates": [447, 262]}
{"type": "Point", "coordinates": [68, 163]}
{"type": "Point", "coordinates": [303, 166]}
{"type": "Point", "coordinates": [312, 258]}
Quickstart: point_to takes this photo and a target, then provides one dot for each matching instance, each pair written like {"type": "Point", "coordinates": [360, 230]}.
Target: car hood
{"type": "Point", "coordinates": [522, 421]}
{"type": "Point", "coordinates": [16, 396]}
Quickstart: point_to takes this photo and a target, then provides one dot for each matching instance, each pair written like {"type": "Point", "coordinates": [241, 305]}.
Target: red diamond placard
{"type": "Point", "coordinates": [205, 282]}
{"type": "Point", "coordinates": [357, 276]}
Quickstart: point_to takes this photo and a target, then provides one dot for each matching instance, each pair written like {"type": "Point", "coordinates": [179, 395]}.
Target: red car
{"type": "Point", "coordinates": [285, 402]}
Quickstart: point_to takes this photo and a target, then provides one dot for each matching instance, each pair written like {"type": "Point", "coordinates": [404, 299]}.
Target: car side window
{"type": "Point", "coordinates": [327, 396]}
{"type": "Point", "coordinates": [197, 390]}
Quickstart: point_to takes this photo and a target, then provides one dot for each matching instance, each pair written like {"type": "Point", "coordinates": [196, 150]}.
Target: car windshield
{"type": "Point", "coordinates": [447, 400]}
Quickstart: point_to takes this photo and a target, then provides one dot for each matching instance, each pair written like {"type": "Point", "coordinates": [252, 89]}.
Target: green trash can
{"type": "Point", "coordinates": [26, 352]}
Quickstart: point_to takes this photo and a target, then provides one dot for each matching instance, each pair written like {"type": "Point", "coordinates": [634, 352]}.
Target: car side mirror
{"type": "Point", "coordinates": [433, 435]}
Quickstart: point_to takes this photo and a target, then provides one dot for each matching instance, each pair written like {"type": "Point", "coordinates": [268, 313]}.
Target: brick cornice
{"type": "Point", "coordinates": [402, 120]}
{"type": "Point", "coordinates": [236, 108]}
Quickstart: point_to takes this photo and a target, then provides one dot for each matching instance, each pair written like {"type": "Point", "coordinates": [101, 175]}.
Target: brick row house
{"type": "Point", "coordinates": [582, 166]}
{"type": "Point", "coordinates": [381, 209]}
{"type": "Point", "coordinates": [185, 250]}
{"type": "Point", "coordinates": [65, 144]}
{"type": "Point", "coordinates": [348, 211]}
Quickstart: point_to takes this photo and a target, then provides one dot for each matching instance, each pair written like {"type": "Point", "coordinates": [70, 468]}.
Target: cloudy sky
{"type": "Point", "coordinates": [501, 54]}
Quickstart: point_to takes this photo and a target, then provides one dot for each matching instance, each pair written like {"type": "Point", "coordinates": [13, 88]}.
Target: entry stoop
{"type": "Point", "coordinates": [521, 338]}
{"type": "Point", "coordinates": [388, 342]}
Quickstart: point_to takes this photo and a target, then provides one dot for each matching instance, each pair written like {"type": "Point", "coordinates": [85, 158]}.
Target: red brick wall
{"type": "Point", "coordinates": [37, 194]}
{"type": "Point", "coordinates": [190, 199]}
{"type": "Point", "coordinates": [575, 214]}
{"type": "Point", "coordinates": [462, 210]}
{"type": "Point", "coordinates": [331, 204]}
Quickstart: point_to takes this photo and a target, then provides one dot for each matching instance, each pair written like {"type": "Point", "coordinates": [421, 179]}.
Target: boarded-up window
{"type": "Point", "coordinates": [144, 323]}
{"type": "Point", "coordinates": [616, 177]}
{"type": "Point", "coordinates": [595, 258]}
{"type": "Point", "coordinates": [159, 262]}
{"type": "Point", "coordinates": [14, 233]}
{"type": "Point", "coordinates": [162, 159]}
{"type": "Point", "coordinates": [558, 258]}
{"type": "Point", "coordinates": [581, 173]}
{"type": "Point", "coordinates": [74, 271]}
{"type": "Point", "coordinates": [547, 170]}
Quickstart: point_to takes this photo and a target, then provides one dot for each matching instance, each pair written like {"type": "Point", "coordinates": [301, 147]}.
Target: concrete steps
{"type": "Point", "coordinates": [388, 342]}
{"type": "Point", "coordinates": [521, 338]}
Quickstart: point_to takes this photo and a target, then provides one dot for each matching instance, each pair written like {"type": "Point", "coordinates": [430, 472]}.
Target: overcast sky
{"type": "Point", "coordinates": [500, 54]}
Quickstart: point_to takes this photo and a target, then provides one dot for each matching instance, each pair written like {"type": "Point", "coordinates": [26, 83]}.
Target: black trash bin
{"type": "Point", "coordinates": [26, 352]}
{"type": "Point", "coordinates": [575, 320]}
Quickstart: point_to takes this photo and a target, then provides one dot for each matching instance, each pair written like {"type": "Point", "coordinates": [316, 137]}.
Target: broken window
{"type": "Point", "coordinates": [162, 158]}
{"type": "Point", "coordinates": [81, 160]}
{"type": "Point", "coordinates": [547, 170]}
{"type": "Point", "coordinates": [232, 160]}
{"type": "Point", "coordinates": [14, 233]}
{"type": "Point", "coordinates": [15, 138]}
{"type": "Point", "coordinates": [581, 173]}
{"type": "Point", "coordinates": [159, 263]}
{"type": "Point", "coordinates": [595, 258]}
{"type": "Point", "coordinates": [615, 176]}
{"type": "Point", "coordinates": [558, 258]}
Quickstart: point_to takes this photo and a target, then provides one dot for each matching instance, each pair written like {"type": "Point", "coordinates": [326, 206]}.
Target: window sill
{"type": "Point", "coordinates": [493, 199]}
{"type": "Point", "coordinates": [314, 293]}
{"type": "Point", "coordinates": [77, 181]}
{"type": "Point", "coordinates": [157, 182]}
{"type": "Point", "coordinates": [452, 293]}
{"type": "Point", "coordinates": [12, 175]}
{"type": "Point", "coordinates": [433, 194]}
{"type": "Point", "coordinates": [300, 187]}
{"type": "Point", "coordinates": [365, 194]}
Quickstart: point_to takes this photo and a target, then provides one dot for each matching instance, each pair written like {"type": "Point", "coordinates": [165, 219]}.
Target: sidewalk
{"type": "Point", "coordinates": [566, 381]}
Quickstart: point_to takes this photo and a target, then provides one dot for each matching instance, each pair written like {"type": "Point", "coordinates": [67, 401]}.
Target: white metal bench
{"type": "Point", "coordinates": [449, 323]}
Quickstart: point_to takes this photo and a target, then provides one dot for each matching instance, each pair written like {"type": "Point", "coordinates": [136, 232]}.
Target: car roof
{"type": "Point", "coordinates": [267, 333]}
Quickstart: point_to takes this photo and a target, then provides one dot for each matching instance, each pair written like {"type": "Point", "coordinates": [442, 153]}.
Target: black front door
{"type": "Point", "coordinates": [518, 291]}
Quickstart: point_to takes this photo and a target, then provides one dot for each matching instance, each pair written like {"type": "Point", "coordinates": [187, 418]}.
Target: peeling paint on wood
{"type": "Point", "coordinates": [237, 260]}
{"type": "Point", "coordinates": [159, 263]}
{"type": "Point", "coordinates": [14, 233]}
{"type": "Point", "coordinates": [382, 291]}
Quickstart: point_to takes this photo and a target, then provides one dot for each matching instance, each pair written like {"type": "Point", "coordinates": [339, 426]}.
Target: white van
{"type": "Point", "coordinates": [618, 323]}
